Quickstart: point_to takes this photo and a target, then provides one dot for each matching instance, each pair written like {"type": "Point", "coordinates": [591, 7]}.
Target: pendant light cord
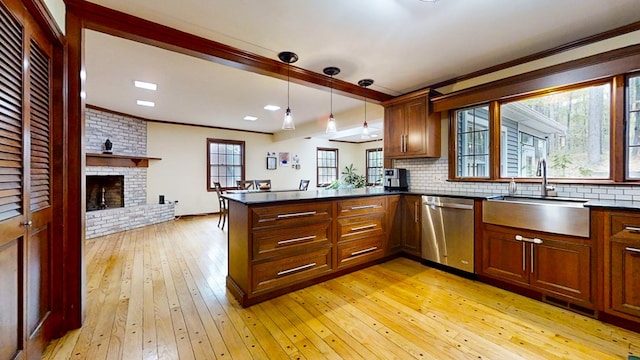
{"type": "Point", "coordinates": [364, 88]}
{"type": "Point", "coordinates": [288, 67]}
{"type": "Point", "coordinates": [331, 95]}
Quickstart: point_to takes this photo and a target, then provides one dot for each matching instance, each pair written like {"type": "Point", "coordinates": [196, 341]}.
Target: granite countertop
{"type": "Point", "coordinates": [287, 196]}
{"type": "Point", "coordinates": [614, 204]}
{"type": "Point", "coordinates": [264, 197]}
{"type": "Point", "coordinates": [250, 198]}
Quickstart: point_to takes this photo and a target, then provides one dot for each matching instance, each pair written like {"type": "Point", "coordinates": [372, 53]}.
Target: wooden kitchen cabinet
{"type": "Point", "coordinates": [554, 265]}
{"type": "Point", "coordinates": [562, 268]}
{"type": "Point", "coordinates": [394, 224]}
{"type": "Point", "coordinates": [622, 266]}
{"type": "Point", "coordinates": [274, 248]}
{"type": "Point", "coordinates": [502, 256]}
{"type": "Point", "coordinates": [404, 218]}
{"type": "Point", "coordinates": [410, 129]}
{"type": "Point", "coordinates": [625, 278]}
{"type": "Point", "coordinates": [361, 230]}
{"type": "Point", "coordinates": [411, 214]}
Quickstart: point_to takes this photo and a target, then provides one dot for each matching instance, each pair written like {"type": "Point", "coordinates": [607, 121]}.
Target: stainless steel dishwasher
{"type": "Point", "coordinates": [447, 231]}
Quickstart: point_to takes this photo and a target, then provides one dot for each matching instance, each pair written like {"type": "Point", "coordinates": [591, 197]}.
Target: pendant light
{"type": "Point", "coordinates": [289, 58]}
{"type": "Point", "coordinates": [365, 127]}
{"type": "Point", "coordinates": [331, 124]}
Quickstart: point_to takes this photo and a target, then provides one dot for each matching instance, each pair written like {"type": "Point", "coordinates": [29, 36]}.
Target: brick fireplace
{"type": "Point", "coordinates": [124, 178]}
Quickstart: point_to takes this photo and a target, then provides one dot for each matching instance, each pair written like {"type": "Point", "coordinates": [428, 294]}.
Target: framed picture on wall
{"type": "Point", "coordinates": [284, 159]}
{"type": "Point", "coordinates": [272, 162]}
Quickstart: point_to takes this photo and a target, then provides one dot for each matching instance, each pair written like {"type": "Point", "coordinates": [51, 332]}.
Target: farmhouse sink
{"type": "Point", "coordinates": [566, 216]}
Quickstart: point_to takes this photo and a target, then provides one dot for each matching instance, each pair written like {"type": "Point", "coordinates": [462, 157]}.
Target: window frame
{"type": "Point", "coordinates": [318, 167]}
{"type": "Point", "coordinates": [453, 174]}
{"type": "Point", "coordinates": [617, 134]}
{"type": "Point", "coordinates": [210, 187]}
{"type": "Point", "coordinates": [627, 118]}
{"type": "Point", "coordinates": [368, 168]}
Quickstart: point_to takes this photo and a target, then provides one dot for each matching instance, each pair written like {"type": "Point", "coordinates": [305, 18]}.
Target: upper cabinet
{"type": "Point", "coordinates": [411, 130]}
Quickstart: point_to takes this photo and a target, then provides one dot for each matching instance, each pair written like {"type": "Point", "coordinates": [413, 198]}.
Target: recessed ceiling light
{"type": "Point", "coordinates": [146, 103]}
{"type": "Point", "coordinates": [272, 107]}
{"type": "Point", "coordinates": [374, 135]}
{"type": "Point", "coordinates": [250, 118]}
{"type": "Point", "coordinates": [145, 85]}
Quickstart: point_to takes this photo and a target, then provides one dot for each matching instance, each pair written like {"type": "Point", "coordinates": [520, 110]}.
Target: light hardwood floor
{"type": "Point", "coordinates": [159, 292]}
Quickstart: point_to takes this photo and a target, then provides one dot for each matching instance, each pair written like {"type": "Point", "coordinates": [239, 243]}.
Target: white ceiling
{"type": "Point", "coordinates": [403, 45]}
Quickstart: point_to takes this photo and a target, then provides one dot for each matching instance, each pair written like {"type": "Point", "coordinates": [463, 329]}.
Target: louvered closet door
{"type": "Point", "coordinates": [25, 184]}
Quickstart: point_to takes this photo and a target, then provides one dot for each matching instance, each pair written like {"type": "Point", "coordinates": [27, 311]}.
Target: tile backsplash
{"type": "Point", "coordinates": [432, 174]}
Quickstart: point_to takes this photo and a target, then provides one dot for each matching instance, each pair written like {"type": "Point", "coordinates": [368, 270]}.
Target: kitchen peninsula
{"type": "Point", "coordinates": [282, 241]}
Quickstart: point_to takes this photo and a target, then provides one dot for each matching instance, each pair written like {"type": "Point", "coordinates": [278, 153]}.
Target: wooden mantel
{"type": "Point", "coordinates": [118, 160]}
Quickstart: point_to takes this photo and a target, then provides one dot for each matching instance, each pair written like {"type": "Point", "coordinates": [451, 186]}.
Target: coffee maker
{"type": "Point", "coordinates": [395, 179]}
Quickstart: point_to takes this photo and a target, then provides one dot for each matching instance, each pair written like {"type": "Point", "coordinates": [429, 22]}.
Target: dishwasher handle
{"type": "Point", "coordinates": [448, 205]}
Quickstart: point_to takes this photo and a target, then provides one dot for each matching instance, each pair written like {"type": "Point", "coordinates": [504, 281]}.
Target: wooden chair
{"type": "Point", "coordinates": [262, 184]}
{"type": "Point", "coordinates": [304, 185]}
{"type": "Point", "coordinates": [222, 202]}
{"type": "Point", "coordinates": [245, 184]}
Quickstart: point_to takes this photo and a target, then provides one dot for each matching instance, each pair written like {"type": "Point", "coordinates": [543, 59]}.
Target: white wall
{"type": "Point", "coordinates": [182, 173]}
{"type": "Point", "coordinates": [562, 57]}
{"type": "Point", "coordinates": [58, 11]}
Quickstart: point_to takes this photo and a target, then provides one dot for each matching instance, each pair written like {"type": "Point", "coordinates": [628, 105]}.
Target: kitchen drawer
{"type": "Point", "coordinates": [291, 215]}
{"type": "Point", "coordinates": [360, 251]}
{"type": "Point", "coordinates": [361, 206]}
{"type": "Point", "coordinates": [290, 240]}
{"type": "Point", "coordinates": [286, 271]}
{"type": "Point", "coordinates": [360, 226]}
{"type": "Point", "coordinates": [625, 226]}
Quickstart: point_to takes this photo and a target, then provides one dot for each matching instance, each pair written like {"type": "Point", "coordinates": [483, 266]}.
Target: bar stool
{"type": "Point", "coordinates": [262, 184]}
{"type": "Point", "coordinates": [222, 202]}
{"type": "Point", "coordinates": [245, 184]}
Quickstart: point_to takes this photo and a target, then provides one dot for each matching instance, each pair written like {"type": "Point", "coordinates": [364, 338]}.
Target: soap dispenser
{"type": "Point", "coordinates": [513, 187]}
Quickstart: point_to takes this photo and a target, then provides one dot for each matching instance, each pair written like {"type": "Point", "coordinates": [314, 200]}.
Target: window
{"type": "Point", "coordinates": [472, 142]}
{"type": "Point", "coordinates": [633, 127]}
{"type": "Point", "coordinates": [226, 163]}
{"type": "Point", "coordinates": [568, 128]}
{"type": "Point", "coordinates": [327, 166]}
{"type": "Point", "coordinates": [374, 166]}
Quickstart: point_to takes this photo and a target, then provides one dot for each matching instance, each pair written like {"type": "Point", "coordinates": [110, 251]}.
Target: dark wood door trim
{"type": "Point", "coordinates": [74, 297]}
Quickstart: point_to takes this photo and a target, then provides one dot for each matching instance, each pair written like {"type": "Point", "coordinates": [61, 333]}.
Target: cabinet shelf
{"type": "Point", "coordinates": [118, 160]}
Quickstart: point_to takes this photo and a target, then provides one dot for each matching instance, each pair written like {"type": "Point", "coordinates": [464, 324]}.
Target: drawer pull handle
{"type": "Point", "coordinates": [529, 240]}
{"type": "Point", "coordinates": [289, 271]}
{"type": "Point", "coordinates": [370, 226]}
{"type": "Point", "coordinates": [286, 216]}
{"type": "Point", "coordinates": [364, 207]}
{"type": "Point", "coordinates": [289, 241]}
{"type": "Point", "coordinates": [633, 250]}
{"type": "Point", "coordinates": [373, 248]}
{"type": "Point", "coordinates": [632, 229]}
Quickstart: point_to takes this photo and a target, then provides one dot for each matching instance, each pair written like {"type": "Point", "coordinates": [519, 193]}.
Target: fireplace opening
{"type": "Point", "coordinates": [105, 192]}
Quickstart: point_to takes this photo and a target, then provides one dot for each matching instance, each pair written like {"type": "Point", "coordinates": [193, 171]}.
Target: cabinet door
{"type": "Point", "coordinates": [26, 240]}
{"type": "Point", "coordinates": [394, 224]}
{"type": "Point", "coordinates": [625, 278]}
{"type": "Point", "coordinates": [503, 257]}
{"type": "Point", "coordinates": [561, 268]}
{"type": "Point", "coordinates": [394, 130]}
{"type": "Point", "coordinates": [415, 117]}
{"type": "Point", "coordinates": [411, 224]}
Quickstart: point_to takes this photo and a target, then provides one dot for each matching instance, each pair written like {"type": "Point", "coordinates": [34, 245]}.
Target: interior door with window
{"type": "Point", "coordinates": [25, 184]}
